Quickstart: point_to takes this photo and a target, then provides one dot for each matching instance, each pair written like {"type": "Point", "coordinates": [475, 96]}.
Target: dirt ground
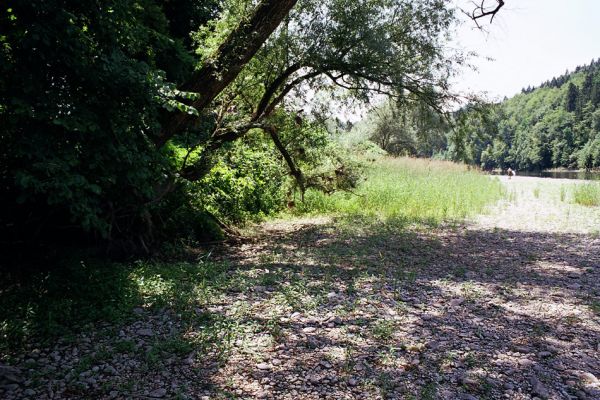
{"type": "Point", "coordinates": [504, 307]}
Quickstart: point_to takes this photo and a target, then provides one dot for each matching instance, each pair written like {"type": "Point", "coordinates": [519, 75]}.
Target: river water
{"type": "Point", "coordinates": [586, 175]}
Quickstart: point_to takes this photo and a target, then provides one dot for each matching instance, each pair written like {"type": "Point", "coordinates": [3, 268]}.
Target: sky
{"type": "Point", "coordinates": [530, 41]}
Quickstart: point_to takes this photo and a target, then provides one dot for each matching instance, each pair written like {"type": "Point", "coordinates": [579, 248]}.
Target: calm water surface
{"type": "Point", "coordinates": [587, 175]}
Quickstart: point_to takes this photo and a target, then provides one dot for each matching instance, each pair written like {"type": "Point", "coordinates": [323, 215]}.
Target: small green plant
{"type": "Point", "coordinates": [429, 391]}
{"type": "Point", "coordinates": [595, 307]}
{"type": "Point", "coordinates": [349, 358]}
{"type": "Point", "coordinates": [383, 330]}
{"type": "Point", "coordinates": [587, 194]}
{"type": "Point", "coordinates": [124, 346]}
{"type": "Point", "coordinates": [536, 192]}
{"type": "Point", "coordinates": [385, 383]}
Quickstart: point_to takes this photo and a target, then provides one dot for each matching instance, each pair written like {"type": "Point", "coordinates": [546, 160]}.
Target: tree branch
{"type": "Point", "coordinates": [481, 11]}
{"type": "Point", "coordinates": [273, 87]}
{"type": "Point", "coordinates": [269, 109]}
{"type": "Point", "coordinates": [229, 60]}
{"type": "Point", "coordinates": [294, 170]}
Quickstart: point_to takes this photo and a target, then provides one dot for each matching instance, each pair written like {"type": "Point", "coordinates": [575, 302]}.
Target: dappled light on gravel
{"type": "Point", "coordinates": [325, 309]}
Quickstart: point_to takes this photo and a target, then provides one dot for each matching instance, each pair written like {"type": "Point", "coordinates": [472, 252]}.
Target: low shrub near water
{"type": "Point", "coordinates": [415, 190]}
{"type": "Point", "coordinates": [587, 194]}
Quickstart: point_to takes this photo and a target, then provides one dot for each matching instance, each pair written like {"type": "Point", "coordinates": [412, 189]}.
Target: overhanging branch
{"type": "Point", "coordinates": [228, 61]}
{"type": "Point", "coordinates": [481, 10]}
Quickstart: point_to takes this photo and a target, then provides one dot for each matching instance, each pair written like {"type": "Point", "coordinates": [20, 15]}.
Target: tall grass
{"type": "Point", "coordinates": [414, 190]}
{"type": "Point", "coordinates": [587, 194]}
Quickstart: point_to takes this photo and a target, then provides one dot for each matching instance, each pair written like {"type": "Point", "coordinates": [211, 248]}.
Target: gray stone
{"type": "Point", "coordinates": [11, 374]}
{"type": "Point", "coordinates": [538, 388]}
{"type": "Point", "coordinates": [145, 332]}
{"type": "Point", "coordinates": [456, 302]}
{"type": "Point", "coordinates": [263, 366]}
{"type": "Point", "coordinates": [110, 370]}
{"type": "Point", "coordinates": [10, 387]}
{"type": "Point", "coordinates": [158, 393]}
{"type": "Point", "coordinates": [589, 378]}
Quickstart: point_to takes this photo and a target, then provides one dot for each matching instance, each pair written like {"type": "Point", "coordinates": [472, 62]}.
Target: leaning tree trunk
{"type": "Point", "coordinates": [228, 61]}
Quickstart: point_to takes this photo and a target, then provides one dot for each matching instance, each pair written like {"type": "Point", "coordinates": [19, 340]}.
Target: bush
{"type": "Point", "coordinates": [247, 183]}
{"type": "Point", "coordinates": [81, 98]}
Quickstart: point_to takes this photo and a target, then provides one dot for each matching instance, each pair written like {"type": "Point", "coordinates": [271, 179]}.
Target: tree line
{"type": "Point", "coordinates": [554, 125]}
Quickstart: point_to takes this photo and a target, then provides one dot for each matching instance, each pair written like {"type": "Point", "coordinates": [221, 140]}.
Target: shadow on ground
{"type": "Point", "coordinates": [351, 309]}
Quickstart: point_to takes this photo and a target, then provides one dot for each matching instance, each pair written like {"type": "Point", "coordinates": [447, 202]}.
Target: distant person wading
{"type": "Point", "coordinates": [510, 173]}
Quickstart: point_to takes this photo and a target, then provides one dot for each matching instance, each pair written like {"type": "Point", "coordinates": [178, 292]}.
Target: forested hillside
{"type": "Point", "coordinates": [551, 126]}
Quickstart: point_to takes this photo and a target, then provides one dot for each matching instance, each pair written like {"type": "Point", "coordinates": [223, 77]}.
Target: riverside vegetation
{"type": "Point", "coordinates": [149, 151]}
{"type": "Point", "coordinates": [336, 303]}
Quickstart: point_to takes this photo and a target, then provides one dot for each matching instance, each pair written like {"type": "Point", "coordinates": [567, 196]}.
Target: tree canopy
{"type": "Point", "coordinates": [124, 120]}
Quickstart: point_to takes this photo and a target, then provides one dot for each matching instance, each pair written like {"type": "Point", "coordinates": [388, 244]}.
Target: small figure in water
{"type": "Point", "coordinates": [510, 173]}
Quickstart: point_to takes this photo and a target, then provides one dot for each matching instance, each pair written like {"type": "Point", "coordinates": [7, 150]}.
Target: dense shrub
{"type": "Point", "coordinates": [82, 85]}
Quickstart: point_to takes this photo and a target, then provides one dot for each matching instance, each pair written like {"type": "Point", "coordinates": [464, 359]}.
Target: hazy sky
{"type": "Point", "coordinates": [530, 41]}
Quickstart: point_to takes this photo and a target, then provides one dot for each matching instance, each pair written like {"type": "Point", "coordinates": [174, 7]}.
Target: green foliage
{"type": "Point", "coordinates": [555, 125]}
{"type": "Point", "coordinates": [63, 300]}
{"type": "Point", "coordinates": [87, 90]}
{"type": "Point", "coordinates": [412, 190]}
{"type": "Point", "coordinates": [409, 128]}
{"type": "Point", "coordinates": [587, 194]}
{"type": "Point", "coordinates": [82, 87]}
{"type": "Point", "coordinates": [247, 182]}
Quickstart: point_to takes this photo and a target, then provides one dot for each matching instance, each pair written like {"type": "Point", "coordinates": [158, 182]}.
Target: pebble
{"type": "Point", "coordinates": [110, 370]}
{"type": "Point", "coordinates": [456, 302]}
{"type": "Point", "coordinates": [589, 378]}
{"type": "Point", "coordinates": [263, 366]}
{"type": "Point", "coordinates": [145, 332]}
{"type": "Point", "coordinates": [158, 393]}
{"type": "Point", "coordinates": [538, 388]}
{"type": "Point", "coordinates": [581, 395]}
{"type": "Point", "coordinates": [352, 382]}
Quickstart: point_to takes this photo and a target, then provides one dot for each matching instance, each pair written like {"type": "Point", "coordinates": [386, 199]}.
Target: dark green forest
{"type": "Point", "coordinates": [554, 125]}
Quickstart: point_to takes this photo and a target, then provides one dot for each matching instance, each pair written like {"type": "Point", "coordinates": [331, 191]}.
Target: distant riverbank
{"type": "Point", "coordinates": [557, 174]}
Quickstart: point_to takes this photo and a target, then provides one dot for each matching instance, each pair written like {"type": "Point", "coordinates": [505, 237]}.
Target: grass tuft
{"type": "Point", "coordinates": [411, 190]}
{"type": "Point", "coordinates": [587, 194]}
